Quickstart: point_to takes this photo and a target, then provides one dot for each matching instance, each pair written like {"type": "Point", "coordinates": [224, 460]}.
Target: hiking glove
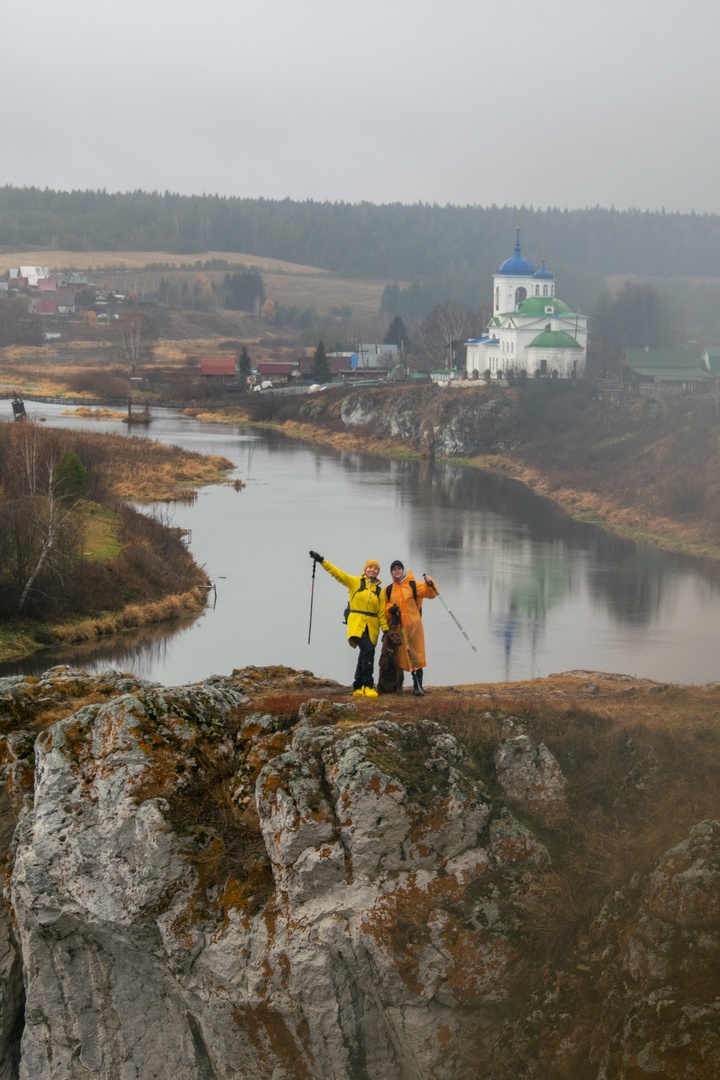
{"type": "Point", "coordinates": [318, 558]}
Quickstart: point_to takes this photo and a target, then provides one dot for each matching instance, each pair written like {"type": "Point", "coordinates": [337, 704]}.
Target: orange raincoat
{"type": "Point", "coordinates": [414, 636]}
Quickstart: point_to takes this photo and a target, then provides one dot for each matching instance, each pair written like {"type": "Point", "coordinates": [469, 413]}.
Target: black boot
{"type": "Point", "coordinates": [417, 684]}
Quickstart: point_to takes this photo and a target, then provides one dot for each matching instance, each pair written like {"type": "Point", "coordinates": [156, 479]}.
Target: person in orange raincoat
{"type": "Point", "coordinates": [407, 594]}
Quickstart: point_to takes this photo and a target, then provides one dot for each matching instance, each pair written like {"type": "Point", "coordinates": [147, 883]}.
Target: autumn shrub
{"type": "Point", "coordinates": [109, 384]}
{"type": "Point", "coordinates": [686, 498]}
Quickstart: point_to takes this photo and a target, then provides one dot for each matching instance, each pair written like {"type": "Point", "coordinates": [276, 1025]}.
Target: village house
{"type": "Point", "coordinates": [29, 276]}
{"type": "Point", "coordinates": [219, 369]}
{"type": "Point", "coordinates": [654, 372]}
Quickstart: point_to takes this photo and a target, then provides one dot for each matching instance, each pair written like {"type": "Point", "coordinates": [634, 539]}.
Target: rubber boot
{"type": "Point", "coordinates": [417, 684]}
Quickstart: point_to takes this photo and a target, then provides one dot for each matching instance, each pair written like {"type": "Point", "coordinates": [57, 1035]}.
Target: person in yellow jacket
{"type": "Point", "coordinates": [365, 616]}
{"type": "Point", "coordinates": [407, 595]}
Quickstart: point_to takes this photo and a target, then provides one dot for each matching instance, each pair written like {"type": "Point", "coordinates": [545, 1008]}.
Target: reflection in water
{"type": "Point", "coordinates": [140, 651]}
{"type": "Point", "coordinates": [535, 591]}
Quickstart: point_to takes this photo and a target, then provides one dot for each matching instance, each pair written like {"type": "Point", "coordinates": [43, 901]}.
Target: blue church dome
{"type": "Point", "coordinates": [543, 273]}
{"type": "Point", "coordinates": [516, 264]}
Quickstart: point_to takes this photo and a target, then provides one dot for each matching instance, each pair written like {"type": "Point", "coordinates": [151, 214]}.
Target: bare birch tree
{"type": "Point", "coordinates": [135, 335]}
{"type": "Point", "coordinates": [56, 514]}
{"type": "Point", "coordinates": [28, 450]}
{"type": "Point", "coordinates": [446, 326]}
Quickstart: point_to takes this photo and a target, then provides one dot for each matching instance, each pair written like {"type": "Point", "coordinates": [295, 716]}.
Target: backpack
{"type": "Point", "coordinates": [363, 586]}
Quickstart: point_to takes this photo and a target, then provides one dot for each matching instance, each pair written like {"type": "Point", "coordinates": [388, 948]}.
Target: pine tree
{"type": "Point", "coordinates": [244, 365]}
{"type": "Point", "coordinates": [397, 334]}
{"type": "Point", "coordinates": [320, 369]}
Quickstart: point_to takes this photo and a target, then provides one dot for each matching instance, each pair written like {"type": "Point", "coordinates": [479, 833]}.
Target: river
{"type": "Point", "coordinates": [534, 592]}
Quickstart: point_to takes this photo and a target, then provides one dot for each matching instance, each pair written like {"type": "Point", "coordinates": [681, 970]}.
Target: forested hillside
{"type": "Point", "coordinates": [423, 254]}
{"type": "Point", "coordinates": [393, 241]}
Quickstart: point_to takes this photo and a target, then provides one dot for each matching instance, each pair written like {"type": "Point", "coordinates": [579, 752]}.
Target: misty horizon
{"type": "Point", "coordinates": [569, 106]}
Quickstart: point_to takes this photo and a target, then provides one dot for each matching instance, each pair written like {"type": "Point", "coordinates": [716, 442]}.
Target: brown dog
{"type": "Point", "coordinates": [390, 679]}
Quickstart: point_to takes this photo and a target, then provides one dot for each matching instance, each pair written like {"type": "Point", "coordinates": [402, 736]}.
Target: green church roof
{"type": "Point", "coordinates": [554, 339]}
{"type": "Point", "coordinates": [537, 306]}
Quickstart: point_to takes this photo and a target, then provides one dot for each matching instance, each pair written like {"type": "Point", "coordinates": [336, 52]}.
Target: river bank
{"type": "Point", "coordinates": [91, 566]}
{"type": "Point", "coordinates": [644, 470]}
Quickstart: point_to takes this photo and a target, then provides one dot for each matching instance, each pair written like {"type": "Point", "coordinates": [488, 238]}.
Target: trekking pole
{"type": "Point", "coordinates": [312, 597]}
{"type": "Point", "coordinates": [454, 620]}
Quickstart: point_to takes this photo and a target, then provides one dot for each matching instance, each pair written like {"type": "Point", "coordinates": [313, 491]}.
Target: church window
{"type": "Point", "coordinates": [520, 295]}
{"type": "Point", "coordinates": [497, 299]}
{"type": "Point", "coordinates": [545, 291]}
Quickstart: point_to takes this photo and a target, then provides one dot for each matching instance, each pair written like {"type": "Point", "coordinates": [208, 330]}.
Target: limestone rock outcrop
{"type": "Point", "coordinates": [455, 423]}
{"type": "Point", "coordinates": [200, 890]}
{"type": "Point", "coordinates": [254, 878]}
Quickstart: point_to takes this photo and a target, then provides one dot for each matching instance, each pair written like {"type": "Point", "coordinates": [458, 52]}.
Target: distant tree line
{"type": "Point", "coordinates": [404, 243]}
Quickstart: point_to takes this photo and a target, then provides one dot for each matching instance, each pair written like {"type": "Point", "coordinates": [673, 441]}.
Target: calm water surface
{"type": "Point", "coordinates": [535, 592]}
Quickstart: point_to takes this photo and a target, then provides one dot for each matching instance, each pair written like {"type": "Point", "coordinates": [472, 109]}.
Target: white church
{"type": "Point", "coordinates": [531, 330]}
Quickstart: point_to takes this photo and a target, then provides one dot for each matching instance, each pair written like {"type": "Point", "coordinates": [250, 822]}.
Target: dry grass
{"type": "Point", "coordinates": [160, 478]}
{"type": "Point", "coordinates": [136, 260]}
{"type": "Point", "coordinates": [131, 617]}
{"type": "Point", "coordinates": [289, 284]}
{"type": "Point", "coordinates": [89, 413]}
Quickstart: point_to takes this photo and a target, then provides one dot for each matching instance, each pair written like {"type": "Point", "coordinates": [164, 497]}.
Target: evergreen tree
{"type": "Point", "coordinates": [320, 369]}
{"type": "Point", "coordinates": [397, 334]}
{"type": "Point", "coordinates": [244, 365]}
{"type": "Point", "coordinates": [244, 290]}
{"type": "Point", "coordinates": [71, 478]}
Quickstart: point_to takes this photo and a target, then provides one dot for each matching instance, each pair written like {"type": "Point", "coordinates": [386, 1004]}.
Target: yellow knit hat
{"type": "Point", "coordinates": [371, 562]}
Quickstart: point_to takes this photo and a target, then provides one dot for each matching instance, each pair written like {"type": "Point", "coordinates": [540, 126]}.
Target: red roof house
{"type": "Point", "coordinates": [218, 367]}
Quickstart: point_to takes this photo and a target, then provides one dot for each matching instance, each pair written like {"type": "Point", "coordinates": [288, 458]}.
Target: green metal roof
{"type": "Point", "coordinates": [661, 359]}
{"type": "Point", "coordinates": [536, 305]}
{"type": "Point", "coordinates": [554, 339]}
{"type": "Point", "coordinates": [668, 374]}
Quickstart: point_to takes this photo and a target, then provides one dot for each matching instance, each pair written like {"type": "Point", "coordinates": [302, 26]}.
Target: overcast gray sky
{"type": "Point", "coordinates": [538, 102]}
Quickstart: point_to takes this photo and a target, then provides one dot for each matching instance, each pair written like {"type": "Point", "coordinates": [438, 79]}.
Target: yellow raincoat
{"type": "Point", "coordinates": [366, 601]}
{"type": "Point", "coordinates": [402, 595]}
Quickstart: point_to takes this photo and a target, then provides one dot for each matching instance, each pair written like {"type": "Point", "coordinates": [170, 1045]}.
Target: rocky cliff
{"type": "Point", "coordinates": [258, 877]}
{"type": "Point", "coordinates": [461, 420]}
